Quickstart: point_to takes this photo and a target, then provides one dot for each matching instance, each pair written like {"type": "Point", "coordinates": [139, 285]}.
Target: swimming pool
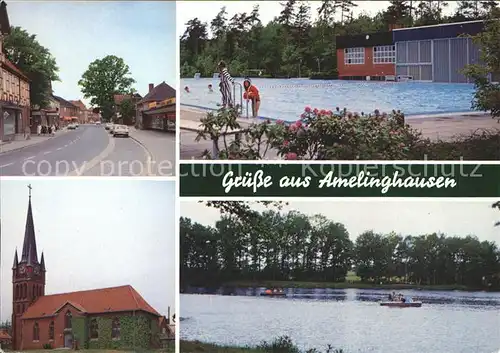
{"type": "Point", "coordinates": [286, 99]}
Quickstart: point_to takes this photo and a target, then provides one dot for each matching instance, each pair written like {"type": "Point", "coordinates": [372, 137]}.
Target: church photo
{"type": "Point", "coordinates": [92, 264]}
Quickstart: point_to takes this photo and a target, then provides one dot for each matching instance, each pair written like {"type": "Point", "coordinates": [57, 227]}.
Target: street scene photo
{"type": "Point", "coordinates": [85, 266]}
{"type": "Point", "coordinates": [339, 80]}
{"type": "Point", "coordinates": [344, 276]}
{"type": "Point", "coordinates": [92, 97]}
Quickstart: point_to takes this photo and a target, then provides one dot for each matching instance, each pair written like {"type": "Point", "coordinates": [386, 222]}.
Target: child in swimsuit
{"type": "Point", "coordinates": [252, 93]}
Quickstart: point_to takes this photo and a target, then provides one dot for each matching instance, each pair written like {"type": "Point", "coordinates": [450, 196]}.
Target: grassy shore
{"type": "Point", "coordinates": [195, 346]}
{"type": "Point", "coordinates": [344, 285]}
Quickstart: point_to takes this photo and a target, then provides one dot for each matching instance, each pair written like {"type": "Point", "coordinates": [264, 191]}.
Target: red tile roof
{"type": "Point", "coordinates": [4, 335]}
{"type": "Point", "coordinates": [106, 300]}
{"type": "Point", "coordinates": [12, 68]}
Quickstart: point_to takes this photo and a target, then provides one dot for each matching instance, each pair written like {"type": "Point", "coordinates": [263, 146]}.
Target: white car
{"type": "Point", "coordinates": [71, 127]}
{"type": "Point", "coordinates": [98, 123]}
{"type": "Point", "coordinates": [108, 126]}
{"type": "Point", "coordinates": [120, 130]}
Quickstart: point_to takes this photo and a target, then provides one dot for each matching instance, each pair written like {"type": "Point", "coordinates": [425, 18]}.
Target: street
{"type": "Point", "coordinates": [89, 151]}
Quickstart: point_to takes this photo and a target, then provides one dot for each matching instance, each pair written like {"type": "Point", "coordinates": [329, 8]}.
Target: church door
{"type": "Point", "coordinates": [68, 340]}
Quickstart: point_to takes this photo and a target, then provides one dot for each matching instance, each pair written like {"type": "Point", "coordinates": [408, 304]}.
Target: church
{"type": "Point", "coordinates": [106, 318]}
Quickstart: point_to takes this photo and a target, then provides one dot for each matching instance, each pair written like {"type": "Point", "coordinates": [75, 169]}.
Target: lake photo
{"type": "Point", "coordinates": [346, 276]}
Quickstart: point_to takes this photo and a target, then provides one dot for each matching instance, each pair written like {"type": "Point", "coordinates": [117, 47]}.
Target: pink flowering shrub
{"type": "Point", "coordinates": [327, 135]}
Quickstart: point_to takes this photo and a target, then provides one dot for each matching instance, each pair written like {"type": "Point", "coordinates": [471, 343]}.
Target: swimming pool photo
{"type": "Point", "coordinates": [286, 99]}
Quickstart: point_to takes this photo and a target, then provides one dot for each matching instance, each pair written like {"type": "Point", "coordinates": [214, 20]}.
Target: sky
{"type": "Point", "coordinates": [77, 33]}
{"type": "Point", "coordinates": [118, 232]}
{"type": "Point", "coordinates": [207, 10]}
{"type": "Point", "coordinates": [457, 217]}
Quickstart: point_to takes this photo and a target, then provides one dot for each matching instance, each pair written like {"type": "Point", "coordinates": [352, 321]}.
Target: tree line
{"type": "Point", "coordinates": [277, 246]}
{"type": "Point", "coordinates": [292, 45]}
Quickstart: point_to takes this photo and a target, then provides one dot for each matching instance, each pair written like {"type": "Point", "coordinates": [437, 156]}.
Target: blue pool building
{"type": "Point", "coordinates": [436, 53]}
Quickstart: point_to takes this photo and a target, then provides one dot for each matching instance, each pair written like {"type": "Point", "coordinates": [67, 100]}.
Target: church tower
{"type": "Point", "coordinates": [28, 277]}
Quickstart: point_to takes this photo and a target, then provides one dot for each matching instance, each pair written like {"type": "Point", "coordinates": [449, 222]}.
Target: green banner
{"type": "Point", "coordinates": [339, 180]}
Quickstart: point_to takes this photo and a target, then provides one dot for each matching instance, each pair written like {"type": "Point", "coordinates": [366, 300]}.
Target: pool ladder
{"type": "Point", "coordinates": [240, 86]}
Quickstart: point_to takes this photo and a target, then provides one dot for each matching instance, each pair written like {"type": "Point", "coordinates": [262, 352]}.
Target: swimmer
{"type": "Point", "coordinates": [186, 89]}
{"type": "Point", "coordinates": [210, 89]}
{"type": "Point", "coordinates": [252, 93]}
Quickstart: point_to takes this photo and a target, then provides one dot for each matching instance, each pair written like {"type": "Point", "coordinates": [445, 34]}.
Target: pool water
{"type": "Point", "coordinates": [285, 99]}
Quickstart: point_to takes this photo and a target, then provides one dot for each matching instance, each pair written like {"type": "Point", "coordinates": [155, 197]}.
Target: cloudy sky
{"type": "Point", "coordinates": [77, 33]}
{"type": "Point", "coordinates": [116, 232]}
{"type": "Point", "coordinates": [460, 217]}
{"type": "Point", "coordinates": [207, 10]}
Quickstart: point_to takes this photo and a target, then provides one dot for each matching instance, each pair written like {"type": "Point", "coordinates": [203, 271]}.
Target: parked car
{"type": "Point", "coordinates": [71, 127]}
{"type": "Point", "coordinates": [98, 123]}
{"type": "Point", "coordinates": [120, 130]}
{"type": "Point", "coordinates": [108, 126]}
{"type": "Point", "coordinates": [111, 128]}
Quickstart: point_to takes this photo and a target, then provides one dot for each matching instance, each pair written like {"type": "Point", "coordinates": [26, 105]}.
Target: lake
{"type": "Point", "coordinates": [286, 98]}
{"type": "Point", "coordinates": [351, 319]}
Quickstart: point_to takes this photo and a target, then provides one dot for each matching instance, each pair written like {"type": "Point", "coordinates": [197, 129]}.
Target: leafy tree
{"type": "Point", "coordinates": [126, 109]}
{"type": "Point", "coordinates": [487, 95]}
{"type": "Point", "coordinates": [35, 61]}
{"type": "Point", "coordinates": [279, 246]}
{"type": "Point", "coordinates": [102, 80]}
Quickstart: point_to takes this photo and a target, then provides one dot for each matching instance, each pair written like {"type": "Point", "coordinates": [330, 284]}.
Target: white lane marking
{"type": "Point", "coordinates": [60, 148]}
{"type": "Point", "coordinates": [29, 158]}
{"type": "Point", "coordinates": [47, 152]}
{"type": "Point", "coordinates": [6, 165]}
{"type": "Point", "coordinates": [66, 145]}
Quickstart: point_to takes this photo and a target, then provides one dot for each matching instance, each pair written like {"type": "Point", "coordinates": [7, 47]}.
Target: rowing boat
{"type": "Point", "coordinates": [398, 304]}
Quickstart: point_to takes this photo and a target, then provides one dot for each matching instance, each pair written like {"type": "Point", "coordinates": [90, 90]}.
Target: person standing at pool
{"type": "Point", "coordinates": [225, 84]}
{"type": "Point", "coordinates": [210, 89]}
{"type": "Point", "coordinates": [252, 93]}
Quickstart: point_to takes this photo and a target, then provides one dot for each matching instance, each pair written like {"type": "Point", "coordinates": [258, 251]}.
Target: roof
{"type": "Point", "coordinates": [105, 300]}
{"type": "Point", "coordinates": [159, 93]}
{"type": "Point", "coordinates": [64, 101]}
{"type": "Point", "coordinates": [13, 68]}
{"type": "Point", "coordinates": [441, 31]}
{"type": "Point", "coordinates": [118, 98]}
{"type": "Point", "coordinates": [364, 40]}
{"type": "Point", "coordinates": [4, 335]}
{"type": "Point", "coordinates": [29, 254]}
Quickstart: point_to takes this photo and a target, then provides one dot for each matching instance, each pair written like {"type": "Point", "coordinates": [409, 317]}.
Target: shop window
{"type": "Point", "coordinates": [354, 56]}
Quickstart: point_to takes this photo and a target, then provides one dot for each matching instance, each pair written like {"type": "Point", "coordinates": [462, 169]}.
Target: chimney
{"type": "Point", "coordinates": [168, 316]}
{"type": "Point", "coordinates": [151, 86]}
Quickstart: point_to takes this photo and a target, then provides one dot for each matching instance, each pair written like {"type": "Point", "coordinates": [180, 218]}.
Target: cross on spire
{"type": "Point", "coordinates": [29, 187]}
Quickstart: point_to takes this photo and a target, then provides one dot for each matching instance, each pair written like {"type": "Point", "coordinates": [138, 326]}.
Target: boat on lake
{"type": "Point", "coordinates": [273, 293]}
{"type": "Point", "coordinates": [400, 304]}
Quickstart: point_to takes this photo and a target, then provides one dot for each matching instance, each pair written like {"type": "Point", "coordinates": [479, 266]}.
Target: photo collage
{"type": "Point", "coordinates": [264, 177]}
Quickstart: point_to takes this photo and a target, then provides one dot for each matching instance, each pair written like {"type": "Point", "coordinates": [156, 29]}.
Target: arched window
{"type": "Point", "coordinates": [25, 290]}
{"type": "Point", "coordinates": [67, 320]}
{"type": "Point", "coordinates": [16, 295]}
{"type": "Point", "coordinates": [36, 332]}
{"type": "Point", "coordinates": [94, 328]}
{"type": "Point", "coordinates": [115, 328]}
{"type": "Point", "coordinates": [51, 330]}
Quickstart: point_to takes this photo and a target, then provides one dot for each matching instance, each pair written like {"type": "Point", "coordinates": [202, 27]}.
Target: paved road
{"type": "Point", "coordinates": [89, 150]}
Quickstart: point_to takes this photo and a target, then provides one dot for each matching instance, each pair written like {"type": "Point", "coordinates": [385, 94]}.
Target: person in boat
{"type": "Point", "coordinates": [252, 93]}
{"type": "Point", "coordinates": [226, 80]}
{"type": "Point", "coordinates": [210, 89]}
{"type": "Point", "coordinates": [186, 89]}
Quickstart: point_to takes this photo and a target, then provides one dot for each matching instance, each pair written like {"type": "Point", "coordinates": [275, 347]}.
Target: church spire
{"type": "Point", "coordinates": [16, 261]}
{"type": "Point", "coordinates": [42, 263]}
{"type": "Point", "coordinates": [29, 254]}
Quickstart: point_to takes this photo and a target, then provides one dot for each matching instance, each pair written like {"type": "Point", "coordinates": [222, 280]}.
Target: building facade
{"type": "Point", "coordinates": [366, 56]}
{"type": "Point", "coordinates": [107, 318]}
{"type": "Point", "coordinates": [67, 111]}
{"type": "Point", "coordinates": [83, 112]}
{"type": "Point", "coordinates": [156, 111]}
{"type": "Point", "coordinates": [436, 53]}
{"type": "Point", "coordinates": [14, 89]}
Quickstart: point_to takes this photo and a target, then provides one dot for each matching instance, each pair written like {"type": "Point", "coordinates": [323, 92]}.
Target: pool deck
{"type": "Point", "coordinates": [436, 127]}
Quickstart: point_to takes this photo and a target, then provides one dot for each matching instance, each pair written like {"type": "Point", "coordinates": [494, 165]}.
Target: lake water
{"type": "Point", "coordinates": [352, 319]}
{"type": "Point", "coordinates": [286, 99]}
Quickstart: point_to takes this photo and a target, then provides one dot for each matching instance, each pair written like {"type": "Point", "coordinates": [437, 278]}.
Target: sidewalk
{"type": "Point", "coordinates": [161, 146]}
{"type": "Point", "coordinates": [20, 141]}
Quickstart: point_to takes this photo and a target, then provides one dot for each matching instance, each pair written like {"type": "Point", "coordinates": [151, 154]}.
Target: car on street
{"type": "Point", "coordinates": [77, 125]}
{"type": "Point", "coordinates": [72, 127]}
{"type": "Point", "coordinates": [111, 128]}
{"type": "Point", "coordinates": [120, 130]}
{"type": "Point", "coordinates": [98, 123]}
{"type": "Point", "coordinates": [108, 126]}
